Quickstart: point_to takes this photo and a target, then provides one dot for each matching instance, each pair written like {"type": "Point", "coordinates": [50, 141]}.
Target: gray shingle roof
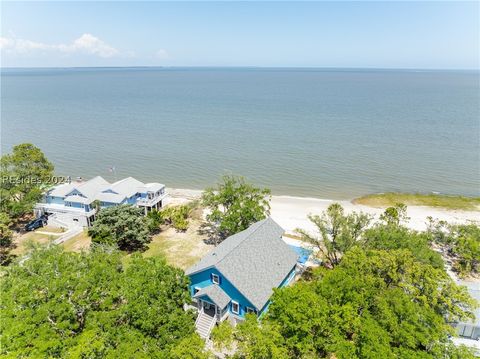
{"type": "Point", "coordinates": [255, 260]}
{"type": "Point", "coordinates": [215, 293]}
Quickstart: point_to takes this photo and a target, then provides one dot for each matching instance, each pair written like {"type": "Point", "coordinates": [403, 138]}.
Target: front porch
{"type": "Point", "coordinates": [212, 310]}
{"type": "Point", "coordinates": [212, 305]}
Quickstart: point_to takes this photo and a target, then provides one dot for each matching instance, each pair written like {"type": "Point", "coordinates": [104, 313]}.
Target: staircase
{"type": "Point", "coordinates": [204, 324]}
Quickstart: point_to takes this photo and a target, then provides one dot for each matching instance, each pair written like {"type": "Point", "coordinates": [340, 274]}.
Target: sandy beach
{"type": "Point", "coordinates": [291, 212]}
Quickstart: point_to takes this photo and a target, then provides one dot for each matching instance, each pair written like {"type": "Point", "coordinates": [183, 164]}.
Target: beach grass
{"type": "Point", "coordinates": [382, 200]}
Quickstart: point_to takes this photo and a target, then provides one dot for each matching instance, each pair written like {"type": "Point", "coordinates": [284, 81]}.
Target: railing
{"type": "Point", "coordinates": [151, 200]}
{"type": "Point", "coordinates": [200, 312]}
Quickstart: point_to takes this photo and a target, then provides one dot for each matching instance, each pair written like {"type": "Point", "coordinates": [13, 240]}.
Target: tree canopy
{"type": "Point", "coordinates": [92, 305]}
{"type": "Point", "coordinates": [6, 239]}
{"type": "Point", "coordinates": [337, 231]}
{"type": "Point", "coordinates": [234, 205]}
{"type": "Point", "coordinates": [461, 243]}
{"type": "Point", "coordinates": [122, 226]}
{"type": "Point", "coordinates": [25, 173]}
{"type": "Point", "coordinates": [373, 304]}
{"type": "Point", "coordinates": [382, 293]}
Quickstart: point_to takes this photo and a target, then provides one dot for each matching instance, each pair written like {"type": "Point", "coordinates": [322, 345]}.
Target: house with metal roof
{"type": "Point", "coordinates": [239, 275]}
{"type": "Point", "coordinates": [73, 203]}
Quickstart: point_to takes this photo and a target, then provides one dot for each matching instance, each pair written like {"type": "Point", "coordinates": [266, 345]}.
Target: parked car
{"type": "Point", "coordinates": [36, 223]}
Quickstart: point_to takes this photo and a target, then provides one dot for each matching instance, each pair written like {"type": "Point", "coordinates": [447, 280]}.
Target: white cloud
{"type": "Point", "coordinates": [87, 43]}
{"type": "Point", "coordinates": [162, 54]}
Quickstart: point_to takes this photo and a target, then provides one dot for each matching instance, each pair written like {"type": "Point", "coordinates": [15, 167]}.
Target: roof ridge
{"type": "Point", "coordinates": [244, 240]}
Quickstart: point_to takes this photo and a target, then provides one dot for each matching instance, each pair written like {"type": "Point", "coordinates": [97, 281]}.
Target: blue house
{"type": "Point", "coordinates": [73, 203]}
{"type": "Point", "coordinates": [239, 275]}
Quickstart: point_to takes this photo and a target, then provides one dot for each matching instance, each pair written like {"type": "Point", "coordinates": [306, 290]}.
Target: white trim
{"type": "Point", "coordinates": [238, 307]}
{"type": "Point", "coordinates": [215, 278]}
{"type": "Point", "coordinates": [196, 290]}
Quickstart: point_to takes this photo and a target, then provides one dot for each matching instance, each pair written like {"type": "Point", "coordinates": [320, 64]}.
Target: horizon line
{"type": "Point", "coordinates": [239, 67]}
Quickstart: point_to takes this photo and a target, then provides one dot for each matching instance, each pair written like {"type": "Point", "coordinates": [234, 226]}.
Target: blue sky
{"type": "Point", "coordinates": [312, 34]}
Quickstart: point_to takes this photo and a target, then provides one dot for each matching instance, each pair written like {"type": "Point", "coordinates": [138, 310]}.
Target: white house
{"type": "Point", "coordinates": [72, 203]}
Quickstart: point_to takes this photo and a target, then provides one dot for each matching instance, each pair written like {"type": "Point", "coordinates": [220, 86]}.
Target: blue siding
{"type": "Point", "coordinates": [132, 200]}
{"type": "Point", "coordinates": [203, 279]}
{"type": "Point", "coordinates": [54, 200]}
{"type": "Point", "coordinates": [74, 204]}
{"type": "Point", "coordinates": [107, 204]}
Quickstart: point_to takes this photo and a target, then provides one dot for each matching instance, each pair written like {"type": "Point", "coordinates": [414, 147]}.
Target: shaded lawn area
{"type": "Point", "coordinates": [80, 242]}
{"type": "Point", "coordinates": [21, 241]}
{"type": "Point", "coordinates": [382, 200]}
{"type": "Point", "coordinates": [181, 249]}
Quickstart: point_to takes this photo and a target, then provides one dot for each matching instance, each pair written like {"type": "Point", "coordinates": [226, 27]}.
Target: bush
{"type": "Point", "coordinates": [154, 220]}
{"type": "Point", "coordinates": [122, 226]}
{"type": "Point", "coordinates": [177, 216]}
{"type": "Point", "coordinates": [222, 336]}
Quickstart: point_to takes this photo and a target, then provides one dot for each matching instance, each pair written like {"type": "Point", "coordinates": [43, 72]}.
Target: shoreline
{"type": "Point", "coordinates": [291, 212]}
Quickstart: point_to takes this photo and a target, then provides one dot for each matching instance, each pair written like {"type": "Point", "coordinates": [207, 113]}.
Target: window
{"type": "Point", "coordinates": [196, 290]}
{"type": "Point", "coordinates": [251, 310]}
{"type": "Point", "coordinates": [235, 307]}
{"type": "Point", "coordinates": [215, 279]}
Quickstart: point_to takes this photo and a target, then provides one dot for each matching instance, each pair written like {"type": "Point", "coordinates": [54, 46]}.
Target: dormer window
{"type": "Point", "coordinates": [215, 279]}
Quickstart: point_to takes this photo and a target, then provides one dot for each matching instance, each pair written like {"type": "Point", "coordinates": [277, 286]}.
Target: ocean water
{"type": "Point", "coordinates": [335, 133]}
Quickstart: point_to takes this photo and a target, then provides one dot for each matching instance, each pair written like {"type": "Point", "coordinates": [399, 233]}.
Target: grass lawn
{"type": "Point", "coordinates": [77, 243]}
{"type": "Point", "coordinates": [181, 249]}
{"type": "Point", "coordinates": [382, 200]}
{"type": "Point", "coordinates": [22, 241]}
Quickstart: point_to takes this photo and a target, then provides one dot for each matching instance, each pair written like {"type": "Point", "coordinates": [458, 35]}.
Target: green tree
{"type": "Point", "coordinates": [389, 237]}
{"type": "Point", "coordinates": [190, 348]}
{"type": "Point", "coordinates": [460, 242]}
{"type": "Point", "coordinates": [234, 205]}
{"type": "Point", "coordinates": [91, 305]}
{"type": "Point", "coordinates": [154, 220]}
{"type": "Point", "coordinates": [373, 304]}
{"type": "Point", "coordinates": [97, 205]}
{"type": "Point", "coordinates": [222, 335]}
{"type": "Point", "coordinates": [337, 232]}
{"type": "Point", "coordinates": [6, 236]}
{"type": "Point", "coordinates": [395, 216]}
{"type": "Point", "coordinates": [122, 226]}
{"type": "Point", "coordinates": [25, 173]}
{"type": "Point", "coordinates": [177, 216]}
{"type": "Point", "coordinates": [259, 341]}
